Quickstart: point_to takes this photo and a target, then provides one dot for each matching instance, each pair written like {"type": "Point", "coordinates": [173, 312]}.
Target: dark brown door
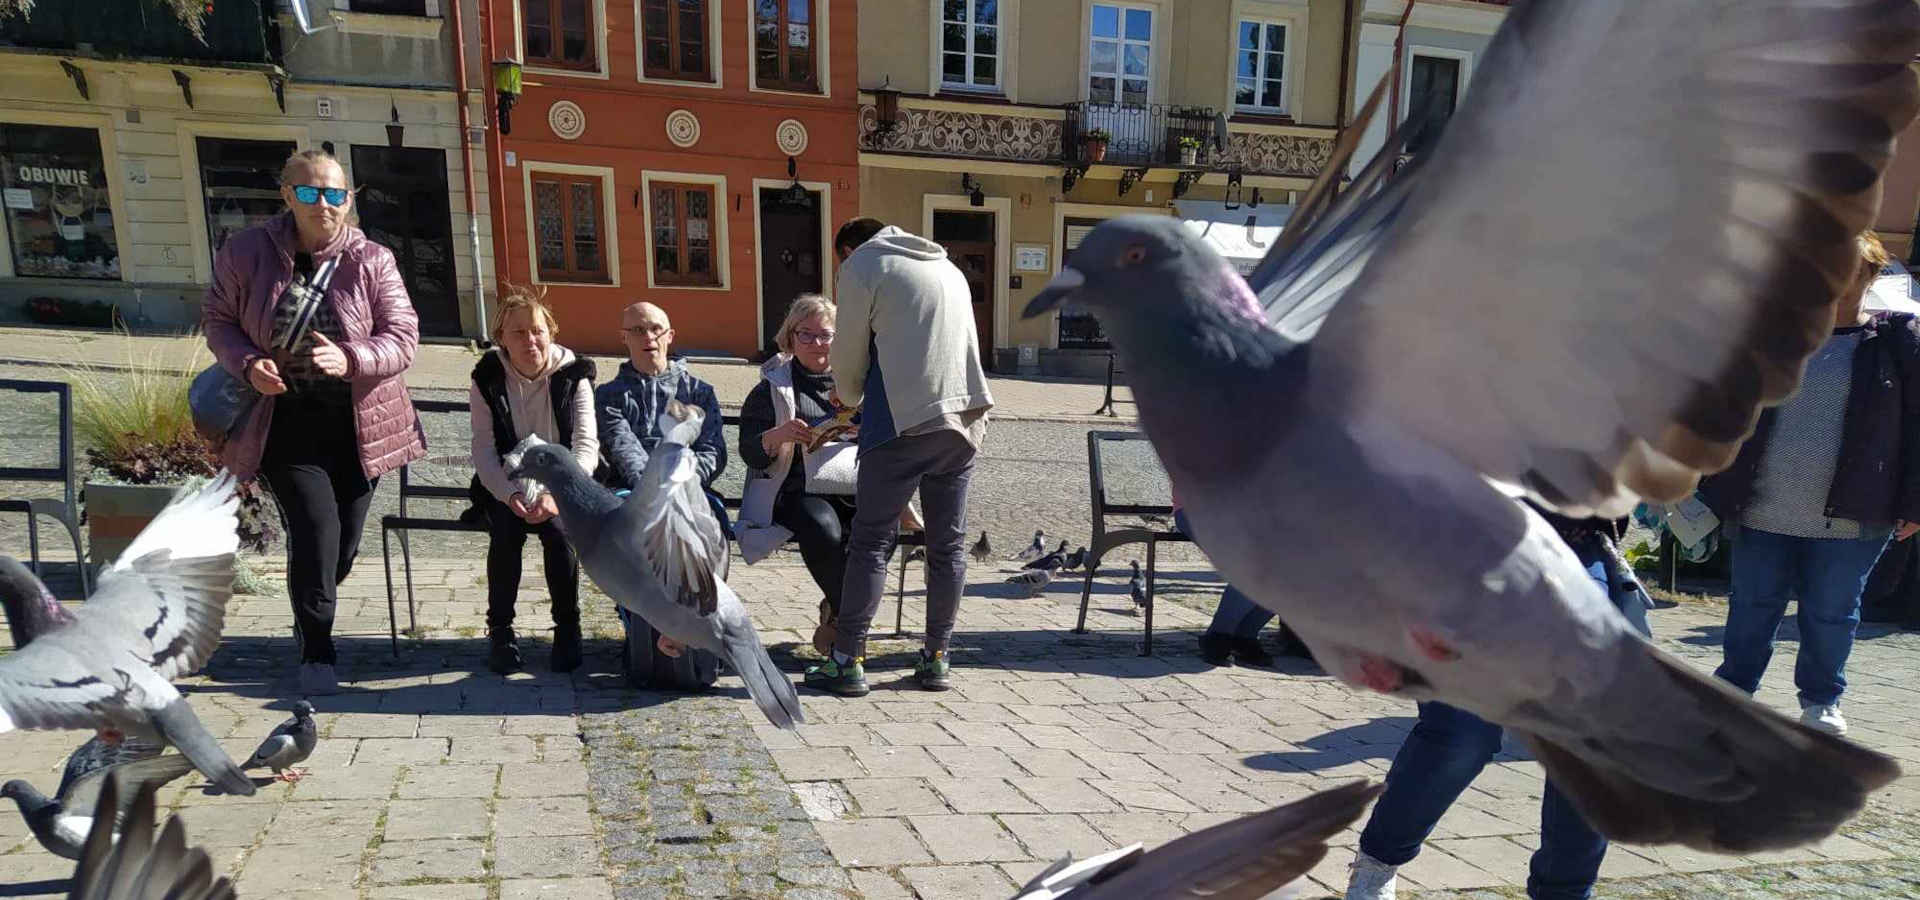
{"type": "Point", "coordinates": [790, 263]}
{"type": "Point", "coordinates": [403, 204]}
{"type": "Point", "coordinates": [968, 237]}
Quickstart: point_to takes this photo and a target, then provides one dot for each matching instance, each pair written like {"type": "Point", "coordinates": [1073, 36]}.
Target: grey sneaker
{"type": "Point", "coordinates": [1371, 879]}
{"type": "Point", "coordinates": [932, 671]}
{"type": "Point", "coordinates": [318, 680]}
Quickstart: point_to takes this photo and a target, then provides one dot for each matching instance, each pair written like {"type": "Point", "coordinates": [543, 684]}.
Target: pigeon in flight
{"type": "Point", "coordinates": [1052, 561]}
{"type": "Point", "coordinates": [1628, 241]}
{"type": "Point", "coordinates": [982, 549]}
{"type": "Point", "coordinates": [661, 555]}
{"type": "Point", "coordinates": [288, 745]}
{"type": "Point", "coordinates": [1034, 550]}
{"type": "Point", "coordinates": [132, 865]}
{"type": "Point", "coordinates": [155, 615]}
{"type": "Point", "coordinates": [1249, 857]}
{"type": "Point", "coordinates": [61, 822]}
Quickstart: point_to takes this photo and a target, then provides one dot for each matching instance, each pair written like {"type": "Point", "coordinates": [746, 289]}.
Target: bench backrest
{"type": "Point", "coordinates": [1130, 450]}
{"type": "Point", "coordinates": [62, 471]}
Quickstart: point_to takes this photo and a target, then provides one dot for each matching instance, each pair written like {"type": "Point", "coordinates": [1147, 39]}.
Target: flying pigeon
{"type": "Point", "coordinates": [1034, 580]}
{"type": "Point", "coordinates": [132, 865]}
{"type": "Point", "coordinates": [1252, 856]}
{"type": "Point", "coordinates": [61, 822]}
{"type": "Point", "coordinates": [1626, 243]}
{"type": "Point", "coordinates": [1075, 560]}
{"type": "Point", "coordinates": [1137, 586]}
{"type": "Point", "coordinates": [1052, 561]}
{"type": "Point", "coordinates": [1034, 550]}
{"type": "Point", "coordinates": [661, 555]}
{"type": "Point", "coordinates": [288, 745]}
{"type": "Point", "coordinates": [155, 615]}
{"type": "Point", "coordinates": [982, 548]}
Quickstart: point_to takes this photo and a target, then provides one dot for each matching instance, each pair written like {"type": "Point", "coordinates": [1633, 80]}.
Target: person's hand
{"type": "Point", "coordinates": [1903, 529]}
{"type": "Point", "coordinates": [265, 377]}
{"type": "Point", "coordinates": [792, 431]}
{"type": "Point", "coordinates": [544, 509]}
{"type": "Point", "coordinates": [833, 397]}
{"type": "Point", "coordinates": [669, 646]}
{"type": "Point", "coordinates": [518, 503]}
{"type": "Point", "coordinates": [328, 357]}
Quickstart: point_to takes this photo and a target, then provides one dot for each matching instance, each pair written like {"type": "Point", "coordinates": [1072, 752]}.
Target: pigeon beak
{"type": "Point", "coordinates": [516, 473]}
{"type": "Point", "coordinates": [1055, 293]}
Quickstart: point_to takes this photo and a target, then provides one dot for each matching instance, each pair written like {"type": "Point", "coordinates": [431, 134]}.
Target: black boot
{"type": "Point", "coordinates": [505, 655]}
{"type": "Point", "coordinates": [1216, 649]}
{"type": "Point", "coordinates": [1248, 652]}
{"type": "Point", "coordinates": [566, 647]}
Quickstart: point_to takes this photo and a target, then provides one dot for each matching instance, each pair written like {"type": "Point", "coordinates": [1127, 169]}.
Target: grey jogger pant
{"type": "Point", "coordinates": [939, 465]}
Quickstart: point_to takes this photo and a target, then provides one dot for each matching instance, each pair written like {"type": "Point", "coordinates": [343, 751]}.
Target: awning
{"type": "Point", "coordinates": [1894, 290]}
{"type": "Point", "coordinates": [1242, 235]}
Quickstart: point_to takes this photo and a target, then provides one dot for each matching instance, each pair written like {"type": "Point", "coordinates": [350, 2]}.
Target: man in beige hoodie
{"type": "Point", "coordinates": [906, 354]}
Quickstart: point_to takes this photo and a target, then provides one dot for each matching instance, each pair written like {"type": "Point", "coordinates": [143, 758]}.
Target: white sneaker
{"type": "Point", "coordinates": [1371, 879]}
{"type": "Point", "coordinates": [1825, 717]}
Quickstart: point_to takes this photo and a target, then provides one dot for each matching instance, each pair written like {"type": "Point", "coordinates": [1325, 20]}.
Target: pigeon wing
{"type": "Point", "coordinates": [45, 686]}
{"type": "Point", "coordinates": [97, 754]}
{"type": "Point", "coordinates": [166, 596]}
{"type": "Point", "coordinates": [1628, 241]}
{"type": "Point", "coordinates": [272, 750]}
{"type": "Point", "coordinates": [679, 536]}
{"type": "Point", "coordinates": [156, 771]}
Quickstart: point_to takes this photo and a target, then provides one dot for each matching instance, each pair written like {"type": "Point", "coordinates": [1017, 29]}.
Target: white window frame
{"type": "Point", "coordinates": [598, 27]}
{"type": "Point", "coordinates": [610, 240]}
{"type": "Point", "coordinates": [722, 247]}
{"type": "Point", "coordinates": [1260, 73]}
{"type": "Point", "coordinates": [715, 8]}
{"type": "Point", "coordinates": [1406, 75]}
{"type": "Point", "coordinates": [822, 53]}
{"type": "Point", "coordinates": [1155, 65]}
{"type": "Point", "coordinates": [999, 55]}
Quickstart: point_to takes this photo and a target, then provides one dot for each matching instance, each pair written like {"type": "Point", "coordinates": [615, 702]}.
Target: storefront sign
{"type": "Point", "coordinates": [50, 175]}
{"type": "Point", "coordinates": [19, 198]}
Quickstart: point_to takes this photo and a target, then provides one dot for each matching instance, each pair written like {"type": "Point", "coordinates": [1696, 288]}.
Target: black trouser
{"type": "Point", "coordinates": [820, 525]}
{"type": "Point", "coordinates": [507, 537]}
{"type": "Point", "coordinates": [312, 465]}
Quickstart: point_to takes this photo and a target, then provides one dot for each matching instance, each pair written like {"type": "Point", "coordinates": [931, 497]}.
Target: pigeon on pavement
{"type": "Point", "coordinates": [132, 865]}
{"type": "Point", "coordinates": [1052, 561]}
{"type": "Point", "coordinates": [1034, 550]}
{"type": "Point", "coordinates": [1249, 857]}
{"type": "Point", "coordinates": [155, 615]}
{"type": "Point", "coordinates": [1075, 560]}
{"type": "Point", "coordinates": [288, 745]}
{"type": "Point", "coordinates": [1627, 242]}
{"type": "Point", "coordinates": [982, 549]}
{"type": "Point", "coordinates": [60, 823]}
{"type": "Point", "coordinates": [1137, 586]}
{"type": "Point", "coordinates": [661, 555]}
{"type": "Point", "coordinates": [1034, 580]}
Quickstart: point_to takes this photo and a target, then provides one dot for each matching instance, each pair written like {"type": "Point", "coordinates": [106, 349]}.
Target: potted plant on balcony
{"type": "Point", "coordinates": [1094, 144]}
{"type": "Point", "coordinates": [1189, 150]}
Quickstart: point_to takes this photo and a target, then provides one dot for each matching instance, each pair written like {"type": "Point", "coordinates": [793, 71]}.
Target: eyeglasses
{"type": "Point", "coordinates": [309, 194]}
{"type": "Point", "coordinates": [813, 337]}
{"type": "Point", "coordinates": [652, 331]}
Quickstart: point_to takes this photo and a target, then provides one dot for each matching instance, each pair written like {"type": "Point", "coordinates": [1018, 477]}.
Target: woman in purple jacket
{"type": "Point", "coordinates": [335, 414]}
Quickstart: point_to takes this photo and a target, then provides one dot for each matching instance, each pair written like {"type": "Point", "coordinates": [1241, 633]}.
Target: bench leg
{"type": "Point", "coordinates": [79, 557]}
{"type": "Point", "coordinates": [1147, 650]}
{"type": "Point", "coordinates": [406, 553]}
{"type": "Point", "coordinates": [393, 621]}
{"type": "Point", "coordinates": [1086, 595]}
{"type": "Point", "coordinates": [900, 597]}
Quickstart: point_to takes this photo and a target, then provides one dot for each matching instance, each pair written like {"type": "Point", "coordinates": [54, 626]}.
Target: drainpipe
{"type": "Point", "coordinates": [1346, 66]}
{"type": "Point", "coordinates": [466, 163]}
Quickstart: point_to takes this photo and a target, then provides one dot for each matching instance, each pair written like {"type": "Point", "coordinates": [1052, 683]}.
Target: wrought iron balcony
{"type": "Point", "coordinates": [234, 31]}
{"type": "Point", "coordinates": [1137, 134]}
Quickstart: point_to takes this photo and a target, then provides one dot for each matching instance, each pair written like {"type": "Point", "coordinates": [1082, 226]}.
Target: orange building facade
{"type": "Point", "coordinates": [697, 154]}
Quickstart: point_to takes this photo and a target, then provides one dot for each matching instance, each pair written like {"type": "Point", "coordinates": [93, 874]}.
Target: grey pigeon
{"type": "Point", "coordinates": [982, 549]}
{"type": "Point", "coordinates": [288, 745]}
{"type": "Point", "coordinates": [1075, 560]}
{"type": "Point", "coordinates": [1249, 857]}
{"type": "Point", "coordinates": [661, 555]}
{"type": "Point", "coordinates": [1626, 243]}
{"type": "Point", "coordinates": [155, 615]}
{"type": "Point", "coordinates": [916, 554]}
{"type": "Point", "coordinates": [1034, 580]}
{"type": "Point", "coordinates": [1052, 561]}
{"type": "Point", "coordinates": [1137, 586]}
{"type": "Point", "coordinates": [132, 865]}
{"type": "Point", "coordinates": [1034, 550]}
{"type": "Point", "coordinates": [61, 822]}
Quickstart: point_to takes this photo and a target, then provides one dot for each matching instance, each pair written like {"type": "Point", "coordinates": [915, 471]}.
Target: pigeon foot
{"type": "Point", "coordinates": [290, 775]}
{"type": "Point", "coordinates": [1381, 674]}
{"type": "Point", "coordinates": [1431, 645]}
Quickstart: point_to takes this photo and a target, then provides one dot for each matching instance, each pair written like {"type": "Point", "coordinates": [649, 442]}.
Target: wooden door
{"type": "Point", "coordinates": [968, 238]}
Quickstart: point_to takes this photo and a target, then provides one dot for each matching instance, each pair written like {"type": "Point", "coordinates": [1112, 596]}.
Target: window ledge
{"type": "Point", "coordinates": [391, 25]}
{"type": "Point", "coordinates": [972, 94]}
{"type": "Point", "coordinates": [1249, 117]}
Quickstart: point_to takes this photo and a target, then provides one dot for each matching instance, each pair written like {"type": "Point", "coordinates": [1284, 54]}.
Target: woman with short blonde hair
{"type": "Point", "coordinates": [804, 307]}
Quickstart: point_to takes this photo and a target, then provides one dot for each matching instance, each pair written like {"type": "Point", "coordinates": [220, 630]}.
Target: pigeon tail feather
{"type": "Point", "coordinates": [770, 688]}
{"type": "Point", "coordinates": [196, 524]}
{"type": "Point", "coordinates": [1789, 784]}
{"type": "Point", "coordinates": [181, 728]}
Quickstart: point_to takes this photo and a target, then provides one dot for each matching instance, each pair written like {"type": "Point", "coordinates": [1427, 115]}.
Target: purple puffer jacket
{"type": "Point", "coordinates": [382, 332]}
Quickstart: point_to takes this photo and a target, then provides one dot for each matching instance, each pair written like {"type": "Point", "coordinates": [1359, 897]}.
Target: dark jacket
{"type": "Point", "coordinates": [490, 376]}
{"type": "Point", "coordinates": [1877, 480]}
{"type": "Point", "coordinates": [757, 416]}
{"type": "Point", "coordinates": [629, 410]}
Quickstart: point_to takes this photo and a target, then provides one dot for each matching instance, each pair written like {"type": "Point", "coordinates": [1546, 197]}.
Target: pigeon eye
{"type": "Point", "coordinates": [1134, 256]}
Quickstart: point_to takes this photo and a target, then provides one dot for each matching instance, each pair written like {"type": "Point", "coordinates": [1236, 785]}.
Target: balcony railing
{"type": "Point", "coordinates": [1138, 134]}
{"type": "Point", "coordinates": [235, 31]}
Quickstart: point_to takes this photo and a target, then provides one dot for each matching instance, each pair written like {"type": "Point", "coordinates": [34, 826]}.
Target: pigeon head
{"type": "Point", "coordinates": [31, 609]}
{"type": "Point", "coordinates": [549, 464]}
{"type": "Point", "coordinates": [23, 793]}
{"type": "Point", "coordinates": [1149, 275]}
{"type": "Point", "coordinates": [302, 709]}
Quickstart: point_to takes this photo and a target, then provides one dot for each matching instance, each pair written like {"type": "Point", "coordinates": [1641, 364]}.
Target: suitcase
{"type": "Point", "coordinates": [647, 667]}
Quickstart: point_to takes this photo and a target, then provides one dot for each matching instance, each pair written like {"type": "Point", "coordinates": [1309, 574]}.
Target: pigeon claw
{"type": "Point", "coordinates": [1431, 645]}
{"type": "Point", "coordinates": [1381, 674]}
{"type": "Point", "coordinates": [290, 775]}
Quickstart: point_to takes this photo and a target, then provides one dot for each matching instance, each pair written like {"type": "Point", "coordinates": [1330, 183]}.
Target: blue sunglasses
{"type": "Point", "coordinates": [308, 194]}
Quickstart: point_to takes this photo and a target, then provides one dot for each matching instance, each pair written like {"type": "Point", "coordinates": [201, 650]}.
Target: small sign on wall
{"type": "Point", "coordinates": [1030, 257]}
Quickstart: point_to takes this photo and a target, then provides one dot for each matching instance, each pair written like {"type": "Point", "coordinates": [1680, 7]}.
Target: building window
{"type": "Point", "coordinates": [58, 215]}
{"type": "Point", "coordinates": [682, 229]}
{"type": "Point", "coordinates": [1079, 330]}
{"type": "Point", "coordinates": [674, 39]}
{"type": "Point", "coordinates": [559, 33]}
{"type": "Point", "coordinates": [240, 184]}
{"type": "Point", "coordinates": [970, 44]}
{"type": "Point", "coordinates": [1433, 93]}
{"type": "Point", "coordinates": [568, 228]}
{"type": "Point", "coordinates": [1120, 62]}
{"type": "Point", "coordinates": [396, 7]}
{"type": "Point", "coordinates": [1260, 67]}
{"type": "Point", "coordinates": [783, 44]}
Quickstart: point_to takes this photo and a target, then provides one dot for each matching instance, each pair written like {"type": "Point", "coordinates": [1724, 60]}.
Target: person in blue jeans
{"type": "Point", "coordinates": [1813, 496]}
{"type": "Point", "coordinates": [1448, 747]}
{"type": "Point", "coordinates": [1234, 634]}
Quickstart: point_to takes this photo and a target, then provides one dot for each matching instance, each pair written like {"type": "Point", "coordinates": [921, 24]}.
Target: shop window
{"type": "Point", "coordinates": [59, 220]}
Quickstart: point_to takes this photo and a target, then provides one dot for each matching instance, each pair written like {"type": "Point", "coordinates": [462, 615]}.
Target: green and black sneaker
{"type": "Point", "coordinates": [932, 671]}
{"type": "Point", "coordinates": [848, 679]}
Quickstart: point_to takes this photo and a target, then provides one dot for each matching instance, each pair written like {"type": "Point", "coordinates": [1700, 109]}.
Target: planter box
{"type": "Point", "coordinates": [116, 513]}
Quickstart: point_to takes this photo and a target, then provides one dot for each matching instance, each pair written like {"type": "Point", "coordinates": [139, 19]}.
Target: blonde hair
{"type": "Point", "coordinates": [520, 298]}
{"type": "Point", "coordinates": [804, 307]}
{"type": "Point", "coordinates": [307, 159]}
{"type": "Point", "coordinates": [1872, 252]}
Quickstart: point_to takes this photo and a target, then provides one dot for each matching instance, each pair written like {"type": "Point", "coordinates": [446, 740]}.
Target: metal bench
{"type": "Point", "coordinates": [1106, 404]}
{"type": "Point", "coordinates": [1105, 541]}
{"type": "Point", "coordinates": [66, 509]}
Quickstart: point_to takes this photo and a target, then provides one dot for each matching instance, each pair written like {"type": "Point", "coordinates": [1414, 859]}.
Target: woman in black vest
{"type": "Point", "coordinates": [528, 385]}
